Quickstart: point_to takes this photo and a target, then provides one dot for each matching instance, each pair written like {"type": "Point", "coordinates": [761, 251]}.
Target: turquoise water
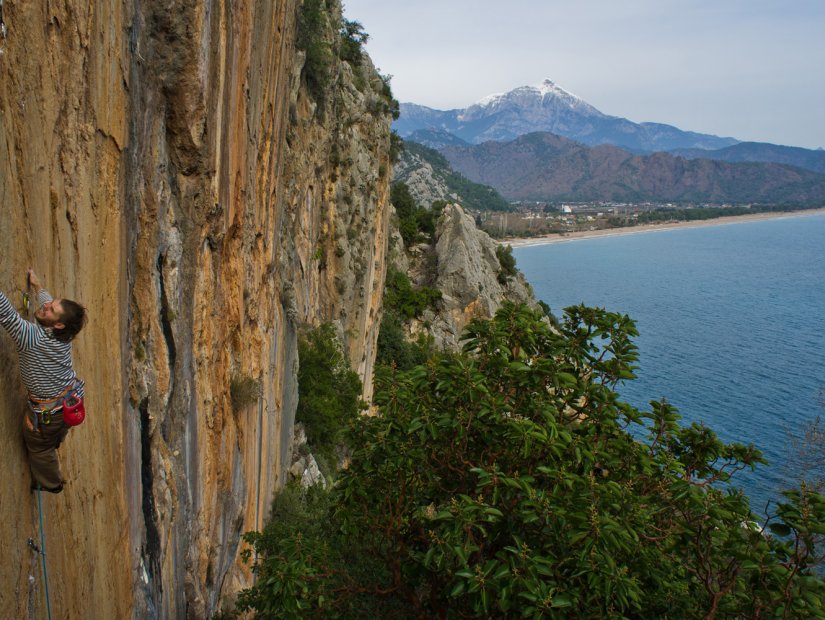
{"type": "Point", "coordinates": [731, 320]}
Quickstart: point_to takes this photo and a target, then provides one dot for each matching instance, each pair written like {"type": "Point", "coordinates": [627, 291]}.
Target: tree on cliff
{"type": "Point", "coordinates": [509, 480]}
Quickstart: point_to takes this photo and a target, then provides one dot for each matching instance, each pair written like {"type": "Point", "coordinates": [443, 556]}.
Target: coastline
{"type": "Point", "coordinates": [520, 242]}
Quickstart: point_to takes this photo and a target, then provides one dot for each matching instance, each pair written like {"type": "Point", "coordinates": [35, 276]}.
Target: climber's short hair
{"type": "Point", "coordinates": [73, 318]}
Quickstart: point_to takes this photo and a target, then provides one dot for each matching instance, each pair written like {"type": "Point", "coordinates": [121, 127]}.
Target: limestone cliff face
{"type": "Point", "coordinates": [163, 163]}
{"type": "Point", "coordinates": [463, 265]}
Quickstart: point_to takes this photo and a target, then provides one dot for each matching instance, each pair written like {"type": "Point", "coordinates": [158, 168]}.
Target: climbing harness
{"type": "Point", "coordinates": [69, 403]}
{"type": "Point", "coordinates": [42, 551]}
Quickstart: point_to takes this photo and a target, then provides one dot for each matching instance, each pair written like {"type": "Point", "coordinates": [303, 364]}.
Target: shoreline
{"type": "Point", "coordinates": [521, 242]}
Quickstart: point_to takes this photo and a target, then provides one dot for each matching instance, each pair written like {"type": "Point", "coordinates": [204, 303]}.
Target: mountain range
{"type": "Point", "coordinates": [761, 152]}
{"type": "Point", "coordinates": [543, 143]}
{"type": "Point", "coordinates": [542, 166]}
{"type": "Point", "coordinates": [548, 107]}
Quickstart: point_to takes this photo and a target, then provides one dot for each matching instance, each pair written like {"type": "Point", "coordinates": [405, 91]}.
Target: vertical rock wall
{"type": "Point", "coordinates": [161, 162]}
{"type": "Point", "coordinates": [64, 127]}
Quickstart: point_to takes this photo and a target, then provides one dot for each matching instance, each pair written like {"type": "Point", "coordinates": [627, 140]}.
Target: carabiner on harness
{"type": "Point", "coordinates": [43, 416]}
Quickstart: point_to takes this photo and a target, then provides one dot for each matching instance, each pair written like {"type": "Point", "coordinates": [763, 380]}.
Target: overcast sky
{"type": "Point", "coordinates": [750, 69]}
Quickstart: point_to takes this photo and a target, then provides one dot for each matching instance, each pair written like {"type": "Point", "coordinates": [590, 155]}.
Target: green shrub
{"type": "Point", "coordinates": [509, 480]}
{"type": "Point", "coordinates": [393, 107]}
{"type": "Point", "coordinates": [313, 39]}
{"type": "Point", "coordinates": [408, 302]}
{"type": "Point", "coordinates": [395, 350]}
{"type": "Point", "coordinates": [396, 146]}
{"type": "Point", "coordinates": [353, 38]}
{"type": "Point", "coordinates": [307, 567]}
{"type": "Point", "coordinates": [329, 392]}
{"type": "Point", "coordinates": [507, 264]}
{"type": "Point", "coordinates": [243, 391]}
{"type": "Point", "coordinates": [416, 223]}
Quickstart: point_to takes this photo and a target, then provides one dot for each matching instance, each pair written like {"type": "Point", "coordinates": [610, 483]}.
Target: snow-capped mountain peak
{"type": "Point", "coordinates": [548, 107]}
{"type": "Point", "coordinates": [549, 87]}
{"type": "Point", "coordinates": [543, 95]}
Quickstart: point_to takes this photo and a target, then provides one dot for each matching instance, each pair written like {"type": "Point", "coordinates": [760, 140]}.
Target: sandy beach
{"type": "Point", "coordinates": [648, 228]}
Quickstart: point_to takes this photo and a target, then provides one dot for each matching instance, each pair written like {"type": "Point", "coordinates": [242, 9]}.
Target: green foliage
{"type": "Point", "coordinates": [353, 39]}
{"type": "Point", "coordinates": [243, 391]}
{"type": "Point", "coordinates": [396, 146]}
{"type": "Point", "coordinates": [806, 458]}
{"type": "Point", "coordinates": [308, 568]}
{"type": "Point", "coordinates": [416, 223]}
{"type": "Point", "coordinates": [313, 39]}
{"type": "Point", "coordinates": [548, 312]}
{"type": "Point", "coordinates": [329, 392]}
{"type": "Point", "coordinates": [704, 213]}
{"type": "Point", "coordinates": [406, 209]}
{"type": "Point", "coordinates": [395, 350]}
{"type": "Point", "coordinates": [406, 301]}
{"type": "Point", "coordinates": [507, 264]}
{"type": "Point", "coordinates": [509, 480]}
{"type": "Point", "coordinates": [393, 107]}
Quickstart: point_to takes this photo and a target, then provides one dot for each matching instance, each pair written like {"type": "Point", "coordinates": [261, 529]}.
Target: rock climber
{"type": "Point", "coordinates": [44, 348]}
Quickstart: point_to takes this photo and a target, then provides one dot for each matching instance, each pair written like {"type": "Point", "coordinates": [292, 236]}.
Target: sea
{"type": "Point", "coordinates": [731, 321]}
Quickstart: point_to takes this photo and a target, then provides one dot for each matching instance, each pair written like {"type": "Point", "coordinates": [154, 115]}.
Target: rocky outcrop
{"type": "Point", "coordinates": [463, 265]}
{"type": "Point", "coordinates": [429, 178]}
{"type": "Point", "coordinates": [163, 163]}
{"type": "Point", "coordinates": [425, 185]}
{"type": "Point", "coordinates": [304, 469]}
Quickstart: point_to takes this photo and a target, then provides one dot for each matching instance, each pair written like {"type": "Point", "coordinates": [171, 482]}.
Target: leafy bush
{"type": "Point", "coordinates": [395, 350]}
{"type": "Point", "coordinates": [509, 480]}
{"type": "Point", "coordinates": [416, 223]}
{"type": "Point", "coordinates": [396, 146]}
{"type": "Point", "coordinates": [507, 264]}
{"type": "Point", "coordinates": [243, 391]}
{"type": "Point", "coordinates": [353, 39]}
{"type": "Point", "coordinates": [393, 107]}
{"type": "Point", "coordinates": [408, 302]}
{"type": "Point", "coordinates": [405, 207]}
{"type": "Point", "coordinates": [329, 392]}
{"type": "Point", "coordinates": [300, 570]}
{"type": "Point", "coordinates": [312, 38]}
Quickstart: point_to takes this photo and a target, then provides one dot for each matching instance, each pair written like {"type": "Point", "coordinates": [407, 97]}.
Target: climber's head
{"type": "Point", "coordinates": [64, 316]}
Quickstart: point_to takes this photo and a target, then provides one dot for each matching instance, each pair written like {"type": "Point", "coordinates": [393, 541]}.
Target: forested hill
{"type": "Point", "coordinates": [544, 166]}
{"type": "Point", "coordinates": [762, 152]}
{"type": "Point", "coordinates": [430, 178]}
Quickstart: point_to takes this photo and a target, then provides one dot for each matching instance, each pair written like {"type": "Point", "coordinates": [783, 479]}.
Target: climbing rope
{"type": "Point", "coordinates": [42, 551]}
{"type": "Point", "coordinates": [42, 548]}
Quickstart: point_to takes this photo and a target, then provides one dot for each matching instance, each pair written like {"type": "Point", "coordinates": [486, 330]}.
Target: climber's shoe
{"type": "Point", "coordinates": [37, 487]}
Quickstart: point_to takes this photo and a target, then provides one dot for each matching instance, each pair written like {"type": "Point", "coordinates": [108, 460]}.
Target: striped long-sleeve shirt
{"type": "Point", "coordinates": [45, 361]}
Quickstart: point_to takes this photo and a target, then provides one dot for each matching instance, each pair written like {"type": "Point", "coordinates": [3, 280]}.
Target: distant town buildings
{"type": "Point", "coordinates": [539, 218]}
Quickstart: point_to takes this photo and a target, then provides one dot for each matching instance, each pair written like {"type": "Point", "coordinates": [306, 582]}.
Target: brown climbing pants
{"type": "Point", "coordinates": [42, 445]}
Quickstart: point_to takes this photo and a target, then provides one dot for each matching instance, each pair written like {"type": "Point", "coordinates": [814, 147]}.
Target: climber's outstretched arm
{"type": "Point", "coordinates": [23, 332]}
